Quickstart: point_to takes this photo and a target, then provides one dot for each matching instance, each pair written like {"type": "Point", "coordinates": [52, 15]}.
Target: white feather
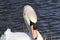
{"type": "Point", "coordinates": [29, 15]}
{"type": "Point", "coordinates": [8, 35]}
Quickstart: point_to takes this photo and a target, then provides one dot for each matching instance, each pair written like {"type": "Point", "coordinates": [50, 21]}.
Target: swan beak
{"type": "Point", "coordinates": [34, 32]}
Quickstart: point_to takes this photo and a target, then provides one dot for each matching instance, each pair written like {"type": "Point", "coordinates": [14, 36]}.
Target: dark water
{"type": "Point", "coordinates": [48, 12]}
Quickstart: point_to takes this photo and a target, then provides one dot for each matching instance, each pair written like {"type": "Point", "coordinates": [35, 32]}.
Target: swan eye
{"type": "Point", "coordinates": [35, 38]}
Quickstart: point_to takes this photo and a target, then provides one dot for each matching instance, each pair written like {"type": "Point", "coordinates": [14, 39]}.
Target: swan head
{"type": "Point", "coordinates": [29, 14]}
{"type": "Point", "coordinates": [35, 33]}
{"type": "Point", "coordinates": [30, 19]}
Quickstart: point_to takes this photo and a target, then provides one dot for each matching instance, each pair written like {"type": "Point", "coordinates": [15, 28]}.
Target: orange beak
{"type": "Point", "coordinates": [34, 32]}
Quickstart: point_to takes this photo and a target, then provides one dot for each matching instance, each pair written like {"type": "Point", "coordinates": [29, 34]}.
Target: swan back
{"type": "Point", "coordinates": [8, 35]}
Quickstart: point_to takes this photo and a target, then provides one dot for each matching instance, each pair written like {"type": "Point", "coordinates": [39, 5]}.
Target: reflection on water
{"type": "Point", "coordinates": [48, 12]}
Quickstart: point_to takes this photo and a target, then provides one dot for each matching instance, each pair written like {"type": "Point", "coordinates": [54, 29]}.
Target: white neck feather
{"type": "Point", "coordinates": [39, 36]}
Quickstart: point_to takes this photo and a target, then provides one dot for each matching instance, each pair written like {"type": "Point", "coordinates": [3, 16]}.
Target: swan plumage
{"type": "Point", "coordinates": [29, 15]}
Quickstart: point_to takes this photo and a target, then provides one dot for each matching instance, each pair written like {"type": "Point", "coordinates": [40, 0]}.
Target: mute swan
{"type": "Point", "coordinates": [30, 19]}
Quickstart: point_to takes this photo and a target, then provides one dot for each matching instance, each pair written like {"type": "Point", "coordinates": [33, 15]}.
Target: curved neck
{"type": "Point", "coordinates": [39, 36]}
